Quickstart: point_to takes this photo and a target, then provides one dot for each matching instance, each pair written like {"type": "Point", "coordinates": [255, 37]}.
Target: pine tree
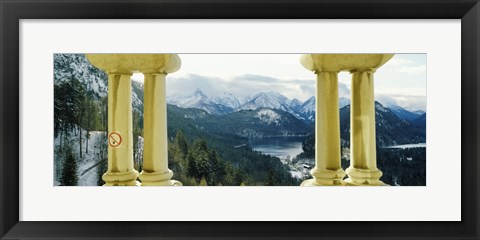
{"type": "Point", "coordinates": [90, 120]}
{"type": "Point", "coordinates": [198, 160]}
{"type": "Point", "coordinates": [69, 172]}
{"type": "Point", "coordinates": [271, 179]}
{"type": "Point", "coordinates": [182, 145]}
{"type": "Point", "coordinates": [102, 154]}
{"type": "Point", "coordinates": [80, 110]}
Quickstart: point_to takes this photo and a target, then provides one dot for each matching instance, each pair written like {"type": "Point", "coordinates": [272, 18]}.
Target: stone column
{"type": "Point", "coordinates": [363, 154]}
{"type": "Point", "coordinates": [120, 151]}
{"type": "Point", "coordinates": [120, 139]}
{"type": "Point", "coordinates": [155, 149]}
{"type": "Point", "coordinates": [155, 157]}
{"type": "Point", "coordinates": [328, 170]}
{"type": "Point", "coordinates": [363, 169]}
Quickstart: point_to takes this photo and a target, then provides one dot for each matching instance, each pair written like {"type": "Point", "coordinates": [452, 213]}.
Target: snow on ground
{"type": "Point", "coordinates": [86, 165]}
{"type": "Point", "coordinates": [297, 174]}
{"type": "Point", "coordinates": [298, 170]}
{"type": "Point", "coordinates": [268, 116]}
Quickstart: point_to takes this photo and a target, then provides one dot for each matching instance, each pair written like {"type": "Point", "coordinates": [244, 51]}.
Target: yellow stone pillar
{"type": "Point", "coordinates": [119, 68]}
{"type": "Point", "coordinates": [120, 139]}
{"type": "Point", "coordinates": [363, 154]}
{"type": "Point", "coordinates": [328, 170]}
{"type": "Point", "coordinates": [155, 150]}
{"type": "Point", "coordinates": [363, 169]}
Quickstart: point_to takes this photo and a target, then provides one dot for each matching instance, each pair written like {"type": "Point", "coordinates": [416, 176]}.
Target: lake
{"type": "Point", "coordinates": [281, 147]}
{"type": "Point", "coordinates": [413, 145]}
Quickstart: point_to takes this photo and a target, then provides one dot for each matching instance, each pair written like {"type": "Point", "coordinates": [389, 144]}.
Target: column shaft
{"type": "Point", "coordinates": [120, 140]}
{"type": "Point", "coordinates": [327, 124]}
{"type": "Point", "coordinates": [363, 164]}
{"type": "Point", "coordinates": [327, 169]}
{"type": "Point", "coordinates": [155, 156]}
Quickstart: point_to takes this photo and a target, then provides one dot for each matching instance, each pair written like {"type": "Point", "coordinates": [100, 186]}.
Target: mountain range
{"type": "Point", "coordinates": [390, 129]}
{"type": "Point", "coordinates": [268, 122]}
{"type": "Point", "coordinates": [272, 114]}
{"type": "Point", "coordinates": [227, 103]}
{"type": "Point", "coordinates": [261, 122]}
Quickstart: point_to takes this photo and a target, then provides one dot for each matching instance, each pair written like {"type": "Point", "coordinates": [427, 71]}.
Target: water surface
{"type": "Point", "coordinates": [413, 145]}
{"type": "Point", "coordinates": [282, 147]}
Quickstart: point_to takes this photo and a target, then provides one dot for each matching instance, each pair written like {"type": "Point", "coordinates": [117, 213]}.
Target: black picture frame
{"type": "Point", "coordinates": [11, 11]}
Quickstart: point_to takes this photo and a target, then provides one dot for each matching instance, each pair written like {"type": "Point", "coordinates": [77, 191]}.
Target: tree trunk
{"type": "Point", "coordinates": [61, 139]}
{"type": "Point", "coordinates": [86, 145]}
{"type": "Point", "coordinates": [80, 137]}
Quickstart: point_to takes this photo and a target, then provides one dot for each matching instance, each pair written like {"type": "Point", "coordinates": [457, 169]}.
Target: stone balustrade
{"type": "Point", "coordinates": [155, 67]}
{"type": "Point", "coordinates": [363, 161]}
{"type": "Point", "coordinates": [119, 68]}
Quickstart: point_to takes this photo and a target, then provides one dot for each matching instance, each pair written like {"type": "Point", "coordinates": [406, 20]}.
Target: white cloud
{"type": "Point", "coordinates": [405, 63]}
{"type": "Point", "coordinates": [408, 91]}
{"type": "Point", "coordinates": [404, 76]}
{"type": "Point", "coordinates": [250, 84]}
{"type": "Point", "coordinates": [398, 61]}
{"type": "Point", "coordinates": [413, 69]}
{"type": "Point", "coordinates": [138, 77]}
{"type": "Point", "coordinates": [241, 86]}
{"type": "Point", "coordinates": [409, 102]}
{"type": "Point", "coordinates": [343, 90]}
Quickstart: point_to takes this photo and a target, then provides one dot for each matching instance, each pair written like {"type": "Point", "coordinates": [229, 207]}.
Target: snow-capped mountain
{"type": "Point", "coordinates": [403, 113]}
{"type": "Point", "coordinates": [188, 99]}
{"type": "Point", "coordinates": [227, 103]}
{"type": "Point", "coordinates": [295, 104]}
{"type": "Point", "coordinates": [267, 100]}
{"type": "Point", "coordinates": [307, 109]}
{"type": "Point", "coordinates": [227, 99]}
{"type": "Point", "coordinates": [197, 99]}
{"type": "Point", "coordinates": [76, 66]}
{"type": "Point", "coordinates": [95, 81]}
{"type": "Point", "coordinates": [272, 100]}
{"type": "Point", "coordinates": [390, 129]}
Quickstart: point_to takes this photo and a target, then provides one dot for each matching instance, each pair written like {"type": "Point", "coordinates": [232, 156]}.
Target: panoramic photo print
{"type": "Point", "coordinates": [239, 119]}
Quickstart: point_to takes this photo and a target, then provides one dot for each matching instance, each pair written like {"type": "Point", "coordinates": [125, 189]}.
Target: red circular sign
{"type": "Point", "coordinates": [114, 139]}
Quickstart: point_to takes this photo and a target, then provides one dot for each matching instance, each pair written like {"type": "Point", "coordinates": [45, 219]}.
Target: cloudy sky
{"type": "Point", "coordinates": [401, 81]}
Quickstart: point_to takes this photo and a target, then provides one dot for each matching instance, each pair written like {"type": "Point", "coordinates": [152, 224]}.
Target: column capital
{"type": "Point", "coordinates": [344, 62]}
{"type": "Point", "coordinates": [132, 63]}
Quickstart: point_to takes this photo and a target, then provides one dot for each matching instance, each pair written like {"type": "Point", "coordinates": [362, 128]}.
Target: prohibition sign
{"type": "Point", "coordinates": [114, 139]}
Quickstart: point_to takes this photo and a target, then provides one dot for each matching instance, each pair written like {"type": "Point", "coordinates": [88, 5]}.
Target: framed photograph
{"type": "Point", "coordinates": [239, 119]}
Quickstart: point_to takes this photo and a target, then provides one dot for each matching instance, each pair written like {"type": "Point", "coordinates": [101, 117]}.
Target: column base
{"type": "Point", "coordinates": [364, 177]}
{"type": "Point", "coordinates": [120, 178]}
{"type": "Point", "coordinates": [158, 179]}
{"type": "Point", "coordinates": [325, 178]}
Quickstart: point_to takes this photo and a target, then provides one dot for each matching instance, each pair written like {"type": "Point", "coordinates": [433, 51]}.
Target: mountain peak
{"type": "Point", "coordinates": [198, 92]}
{"type": "Point", "coordinates": [269, 99]}
{"type": "Point", "coordinates": [227, 99]}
